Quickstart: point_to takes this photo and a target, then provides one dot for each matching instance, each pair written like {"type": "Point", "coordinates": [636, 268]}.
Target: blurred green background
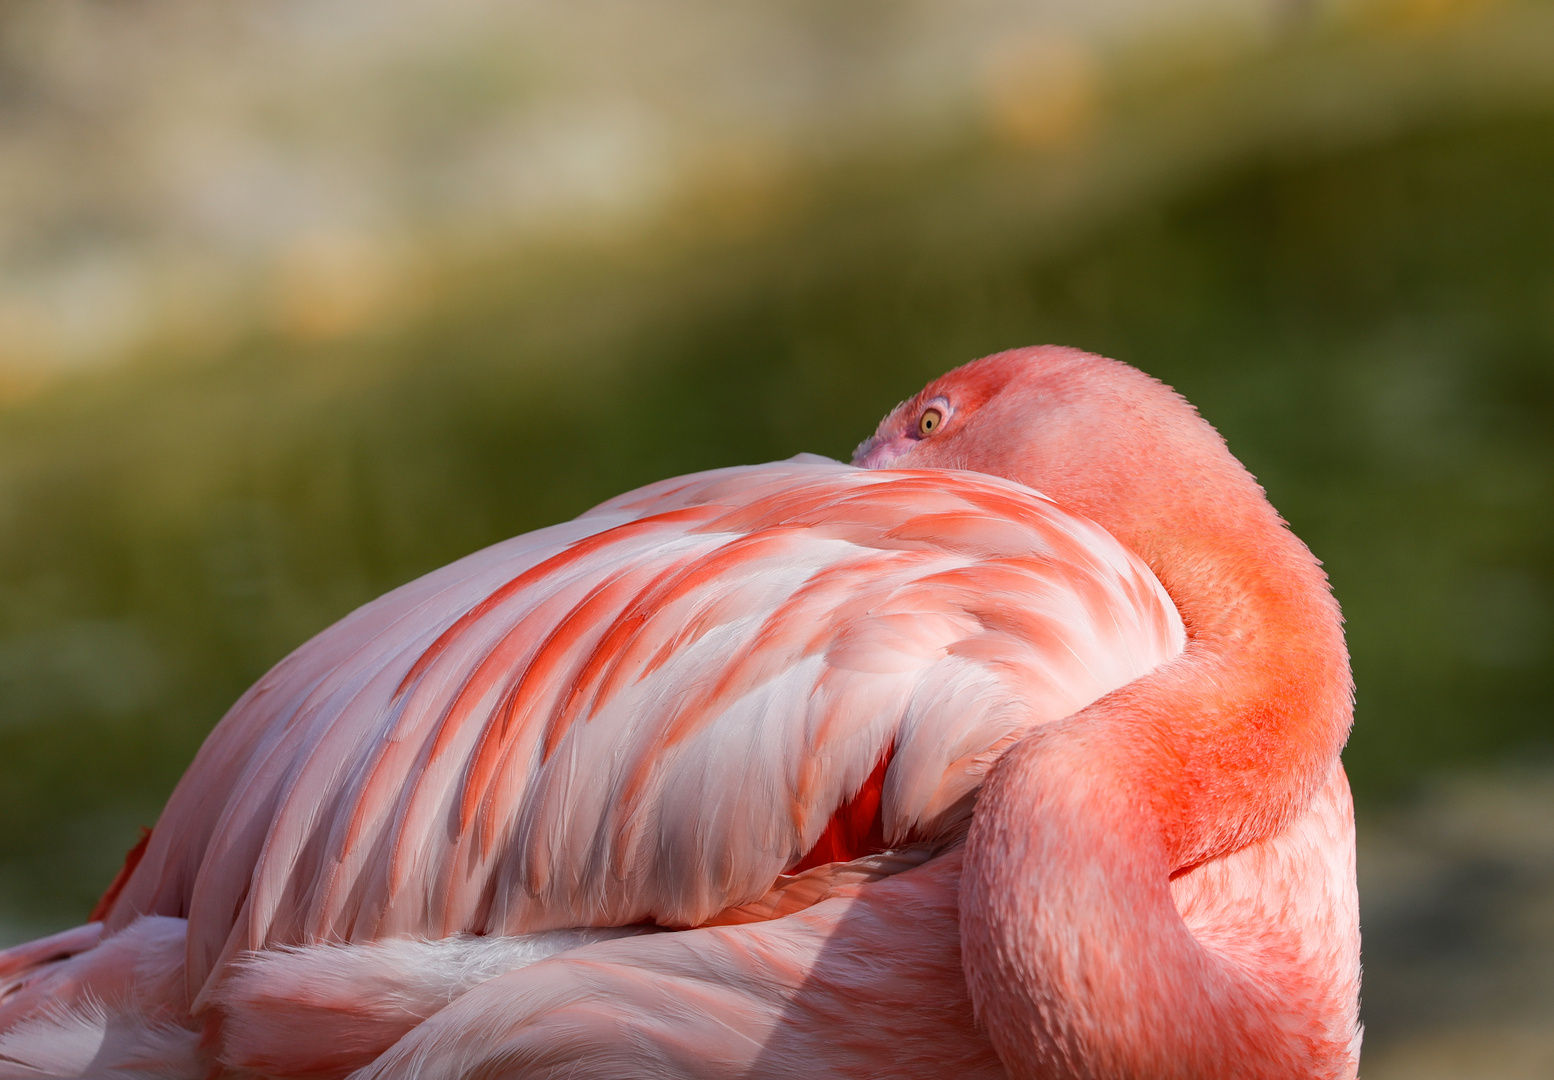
{"type": "Point", "coordinates": [299, 304]}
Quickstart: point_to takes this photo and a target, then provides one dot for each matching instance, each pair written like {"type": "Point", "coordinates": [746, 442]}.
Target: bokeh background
{"type": "Point", "coordinates": [300, 299]}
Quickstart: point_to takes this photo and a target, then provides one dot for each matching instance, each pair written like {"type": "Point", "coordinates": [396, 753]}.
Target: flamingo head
{"type": "Point", "coordinates": [1096, 435]}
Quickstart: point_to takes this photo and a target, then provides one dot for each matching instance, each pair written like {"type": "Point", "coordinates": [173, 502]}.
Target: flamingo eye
{"type": "Point", "coordinates": [930, 421]}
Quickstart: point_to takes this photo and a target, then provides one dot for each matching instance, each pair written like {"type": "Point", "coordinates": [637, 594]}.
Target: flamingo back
{"type": "Point", "coordinates": [646, 714]}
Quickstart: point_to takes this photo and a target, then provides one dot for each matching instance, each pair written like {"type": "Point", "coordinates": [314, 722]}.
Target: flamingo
{"type": "Point", "coordinates": [1010, 749]}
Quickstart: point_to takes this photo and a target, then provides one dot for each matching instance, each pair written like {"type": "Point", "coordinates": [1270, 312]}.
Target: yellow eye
{"type": "Point", "coordinates": [930, 421]}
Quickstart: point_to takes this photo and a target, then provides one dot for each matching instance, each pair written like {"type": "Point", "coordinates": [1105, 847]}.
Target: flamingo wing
{"type": "Point", "coordinates": [649, 713]}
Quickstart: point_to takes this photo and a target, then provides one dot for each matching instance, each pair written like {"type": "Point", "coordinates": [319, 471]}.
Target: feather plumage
{"type": "Point", "coordinates": [647, 714]}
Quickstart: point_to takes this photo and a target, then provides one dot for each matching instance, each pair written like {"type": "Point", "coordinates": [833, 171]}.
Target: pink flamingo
{"type": "Point", "coordinates": [801, 769]}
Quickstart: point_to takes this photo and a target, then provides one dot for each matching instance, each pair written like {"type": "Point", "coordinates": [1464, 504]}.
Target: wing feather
{"type": "Point", "coordinates": [647, 714]}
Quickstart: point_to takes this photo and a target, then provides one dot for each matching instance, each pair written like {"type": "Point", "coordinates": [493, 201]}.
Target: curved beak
{"type": "Point", "coordinates": [882, 451]}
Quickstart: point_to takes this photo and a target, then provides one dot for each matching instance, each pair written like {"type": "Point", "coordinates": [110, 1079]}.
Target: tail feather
{"type": "Point", "coordinates": [82, 1006]}
{"type": "Point", "coordinates": [78, 1006]}
{"type": "Point", "coordinates": [16, 963]}
{"type": "Point", "coordinates": [91, 1040]}
{"type": "Point", "coordinates": [326, 1010]}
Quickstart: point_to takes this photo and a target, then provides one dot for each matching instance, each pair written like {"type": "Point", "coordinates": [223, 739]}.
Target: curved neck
{"type": "Point", "coordinates": [1078, 960]}
{"type": "Point", "coordinates": [1231, 739]}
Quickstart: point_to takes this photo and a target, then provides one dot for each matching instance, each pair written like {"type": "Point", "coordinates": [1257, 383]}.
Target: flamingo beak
{"type": "Point", "coordinates": [882, 451]}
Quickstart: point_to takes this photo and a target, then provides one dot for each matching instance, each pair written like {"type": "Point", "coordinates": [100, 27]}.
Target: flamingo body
{"type": "Point", "coordinates": [683, 788]}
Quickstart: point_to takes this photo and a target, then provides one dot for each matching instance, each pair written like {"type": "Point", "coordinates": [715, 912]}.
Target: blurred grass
{"type": "Point", "coordinates": [1371, 325]}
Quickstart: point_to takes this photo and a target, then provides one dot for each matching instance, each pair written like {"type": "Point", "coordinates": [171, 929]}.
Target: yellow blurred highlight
{"type": "Point", "coordinates": [330, 284]}
{"type": "Point", "coordinates": [1428, 15]}
{"type": "Point", "coordinates": [26, 347]}
{"type": "Point", "coordinates": [1042, 92]}
{"type": "Point", "coordinates": [742, 187]}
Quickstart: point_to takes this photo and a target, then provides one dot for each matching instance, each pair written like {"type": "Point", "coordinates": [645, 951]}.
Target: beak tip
{"type": "Point", "coordinates": [878, 453]}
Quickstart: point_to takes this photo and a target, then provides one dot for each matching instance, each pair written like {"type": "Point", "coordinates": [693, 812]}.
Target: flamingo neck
{"type": "Point", "coordinates": [1078, 959]}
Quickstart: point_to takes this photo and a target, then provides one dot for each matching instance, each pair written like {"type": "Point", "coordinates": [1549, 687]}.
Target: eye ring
{"type": "Point", "coordinates": [931, 421]}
